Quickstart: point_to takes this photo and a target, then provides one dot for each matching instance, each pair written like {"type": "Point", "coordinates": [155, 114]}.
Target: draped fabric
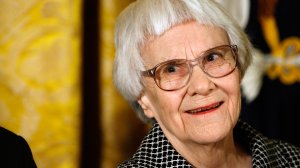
{"type": "Point", "coordinates": [273, 30]}
{"type": "Point", "coordinates": [41, 44]}
{"type": "Point", "coordinates": [271, 86]}
{"type": "Point", "coordinates": [122, 130]}
{"type": "Point", "coordinates": [39, 77]}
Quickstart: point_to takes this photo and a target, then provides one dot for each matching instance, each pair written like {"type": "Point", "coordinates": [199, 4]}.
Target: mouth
{"type": "Point", "coordinates": [205, 109]}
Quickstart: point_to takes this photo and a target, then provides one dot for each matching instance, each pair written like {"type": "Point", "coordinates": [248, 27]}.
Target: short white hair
{"type": "Point", "coordinates": [147, 18]}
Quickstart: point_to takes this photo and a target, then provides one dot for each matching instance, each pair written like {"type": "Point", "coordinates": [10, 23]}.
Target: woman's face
{"type": "Point", "coordinates": [173, 109]}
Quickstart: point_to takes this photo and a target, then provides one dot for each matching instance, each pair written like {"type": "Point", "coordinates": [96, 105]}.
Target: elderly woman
{"type": "Point", "coordinates": [180, 63]}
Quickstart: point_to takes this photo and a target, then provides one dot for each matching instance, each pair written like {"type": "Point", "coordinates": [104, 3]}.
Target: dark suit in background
{"type": "Point", "coordinates": [14, 151]}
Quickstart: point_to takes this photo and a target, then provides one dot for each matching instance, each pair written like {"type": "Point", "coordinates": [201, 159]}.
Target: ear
{"type": "Point", "coordinates": [145, 103]}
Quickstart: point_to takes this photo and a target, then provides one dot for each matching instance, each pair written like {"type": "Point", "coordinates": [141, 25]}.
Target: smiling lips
{"type": "Point", "coordinates": [206, 108]}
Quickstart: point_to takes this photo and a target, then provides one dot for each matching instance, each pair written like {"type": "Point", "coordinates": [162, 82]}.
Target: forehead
{"type": "Point", "coordinates": [181, 42]}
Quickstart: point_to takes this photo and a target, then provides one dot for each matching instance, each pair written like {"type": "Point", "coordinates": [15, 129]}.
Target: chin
{"type": "Point", "coordinates": [213, 134]}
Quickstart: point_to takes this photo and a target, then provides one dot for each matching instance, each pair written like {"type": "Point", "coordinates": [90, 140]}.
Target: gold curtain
{"type": "Point", "coordinates": [122, 130]}
{"type": "Point", "coordinates": [39, 77]}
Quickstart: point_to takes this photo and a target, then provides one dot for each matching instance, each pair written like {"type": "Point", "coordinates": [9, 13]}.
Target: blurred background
{"type": "Point", "coordinates": [56, 87]}
{"type": "Point", "coordinates": [55, 82]}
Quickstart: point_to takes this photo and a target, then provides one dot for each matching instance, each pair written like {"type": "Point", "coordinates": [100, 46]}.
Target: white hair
{"type": "Point", "coordinates": [150, 18]}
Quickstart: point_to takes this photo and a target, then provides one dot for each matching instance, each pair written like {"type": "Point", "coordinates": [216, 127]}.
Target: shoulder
{"type": "Point", "coordinates": [10, 139]}
{"type": "Point", "coordinates": [14, 150]}
{"type": "Point", "coordinates": [266, 152]}
{"type": "Point", "coordinates": [133, 163]}
{"type": "Point", "coordinates": [275, 153]}
{"type": "Point", "coordinates": [155, 151]}
{"type": "Point", "coordinates": [286, 150]}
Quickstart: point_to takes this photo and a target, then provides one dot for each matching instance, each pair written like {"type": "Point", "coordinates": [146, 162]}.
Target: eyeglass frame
{"type": "Point", "coordinates": [151, 72]}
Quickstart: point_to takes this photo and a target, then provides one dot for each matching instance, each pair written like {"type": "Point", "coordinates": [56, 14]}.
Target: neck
{"type": "Point", "coordinates": [222, 154]}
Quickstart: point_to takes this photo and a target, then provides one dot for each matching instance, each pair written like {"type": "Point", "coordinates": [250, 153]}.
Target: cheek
{"type": "Point", "coordinates": [165, 104]}
{"type": "Point", "coordinates": [235, 104]}
{"type": "Point", "coordinates": [168, 102]}
{"type": "Point", "coordinates": [234, 97]}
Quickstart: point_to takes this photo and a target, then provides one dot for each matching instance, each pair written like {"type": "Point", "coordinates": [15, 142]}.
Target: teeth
{"type": "Point", "coordinates": [205, 108]}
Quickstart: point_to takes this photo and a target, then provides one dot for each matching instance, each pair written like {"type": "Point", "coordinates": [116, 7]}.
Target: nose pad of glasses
{"type": "Point", "coordinates": [197, 62]}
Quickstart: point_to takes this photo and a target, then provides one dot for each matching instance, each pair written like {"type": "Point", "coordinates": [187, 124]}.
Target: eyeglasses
{"type": "Point", "coordinates": [174, 74]}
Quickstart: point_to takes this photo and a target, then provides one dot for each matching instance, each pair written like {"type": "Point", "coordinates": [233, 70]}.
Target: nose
{"type": "Point", "coordinates": [200, 83]}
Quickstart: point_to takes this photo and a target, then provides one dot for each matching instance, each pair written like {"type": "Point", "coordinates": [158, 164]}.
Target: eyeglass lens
{"type": "Point", "coordinates": [216, 62]}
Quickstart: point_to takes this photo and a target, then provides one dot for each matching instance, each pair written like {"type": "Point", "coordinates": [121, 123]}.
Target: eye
{"type": "Point", "coordinates": [172, 68]}
{"type": "Point", "coordinates": [213, 56]}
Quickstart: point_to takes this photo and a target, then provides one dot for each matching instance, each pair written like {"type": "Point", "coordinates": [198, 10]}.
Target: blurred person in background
{"type": "Point", "coordinates": [180, 64]}
{"type": "Point", "coordinates": [14, 151]}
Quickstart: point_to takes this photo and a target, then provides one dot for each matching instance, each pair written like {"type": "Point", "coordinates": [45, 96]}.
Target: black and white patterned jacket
{"type": "Point", "coordinates": [156, 151]}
